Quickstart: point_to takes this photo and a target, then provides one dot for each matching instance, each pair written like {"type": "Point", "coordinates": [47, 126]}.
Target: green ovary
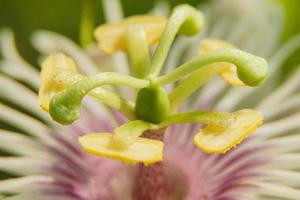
{"type": "Point", "coordinates": [152, 104]}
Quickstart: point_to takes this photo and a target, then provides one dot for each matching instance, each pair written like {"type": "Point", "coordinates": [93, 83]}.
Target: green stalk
{"type": "Point", "coordinates": [191, 84]}
{"type": "Point", "coordinates": [65, 106]}
{"type": "Point", "coordinates": [184, 19]}
{"type": "Point", "coordinates": [105, 95]}
{"type": "Point", "coordinates": [252, 70]}
{"type": "Point", "coordinates": [138, 51]}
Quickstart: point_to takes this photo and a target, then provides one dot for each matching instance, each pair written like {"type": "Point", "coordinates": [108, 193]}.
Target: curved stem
{"type": "Point", "coordinates": [252, 70]}
{"type": "Point", "coordinates": [138, 51]}
{"type": "Point", "coordinates": [184, 19]}
{"type": "Point", "coordinates": [105, 95]}
{"type": "Point", "coordinates": [65, 106]}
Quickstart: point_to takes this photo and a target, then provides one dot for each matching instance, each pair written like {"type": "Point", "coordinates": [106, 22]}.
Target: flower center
{"type": "Point", "coordinates": [154, 182]}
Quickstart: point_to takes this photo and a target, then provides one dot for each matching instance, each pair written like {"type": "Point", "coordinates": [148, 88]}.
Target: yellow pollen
{"type": "Point", "coordinates": [220, 140]}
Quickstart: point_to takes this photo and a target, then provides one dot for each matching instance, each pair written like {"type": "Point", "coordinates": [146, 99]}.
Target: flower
{"type": "Point", "coordinates": [48, 163]}
{"type": "Point", "coordinates": [154, 109]}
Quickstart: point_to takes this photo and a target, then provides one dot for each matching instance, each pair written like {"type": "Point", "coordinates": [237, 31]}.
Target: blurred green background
{"type": "Point", "coordinates": [63, 16]}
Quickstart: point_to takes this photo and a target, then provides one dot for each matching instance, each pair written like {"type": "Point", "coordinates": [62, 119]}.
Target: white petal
{"type": "Point", "coordinates": [284, 144]}
{"type": "Point", "coordinates": [29, 125]}
{"type": "Point", "coordinates": [15, 92]}
{"type": "Point", "coordinates": [23, 184]}
{"type": "Point", "coordinates": [277, 97]}
{"type": "Point", "coordinates": [15, 65]}
{"type": "Point", "coordinates": [278, 191]}
{"type": "Point", "coordinates": [283, 53]}
{"type": "Point", "coordinates": [279, 127]}
{"type": "Point", "coordinates": [34, 195]}
{"type": "Point", "coordinates": [23, 122]}
{"type": "Point", "coordinates": [233, 97]}
{"type": "Point", "coordinates": [289, 161]}
{"type": "Point", "coordinates": [50, 42]}
{"type": "Point", "coordinates": [284, 177]}
{"type": "Point", "coordinates": [22, 165]}
{"type": "Point", "coordinates": [20, 144]}
{"type": "Point", "coordinates": [292, 103]}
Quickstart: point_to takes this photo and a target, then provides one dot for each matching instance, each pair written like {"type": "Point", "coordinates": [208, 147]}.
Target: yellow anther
{"type": "Point", "coordinates": [228, 71]}
{"type": "Point", "coordinates": [143, 150]}
{"type": "Point", "coordinates": [52, 80]}
{"type": "Point", "coordinates": [212, 139]}
{"type": "Point", "coordinates": [112, 37]}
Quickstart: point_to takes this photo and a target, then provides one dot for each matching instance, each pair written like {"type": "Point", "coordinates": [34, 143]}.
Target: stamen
{"type": "Point", "coordinates": [65, 111]}
{"type": "Point", "coordinates": [184, 19]}
{"type": "Point", "coordinates": [59, 72]}
{"type": "Point", "coordinates": [49, 70]}
{"type": "Point", "coordinates": [112, 37]}
{"type": "Point", "coordinates": [214, 139]}
{"type": "Point", "coordinates": [142, 150]}
{"type": "Point", "coordinates": [124, 144]}
{"type": "Point", "coordinates": [252, 70]}
{"type": "Point", "coordinates": [126, 134]}
{"type": "Point", "coordinates": [228, 72]}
